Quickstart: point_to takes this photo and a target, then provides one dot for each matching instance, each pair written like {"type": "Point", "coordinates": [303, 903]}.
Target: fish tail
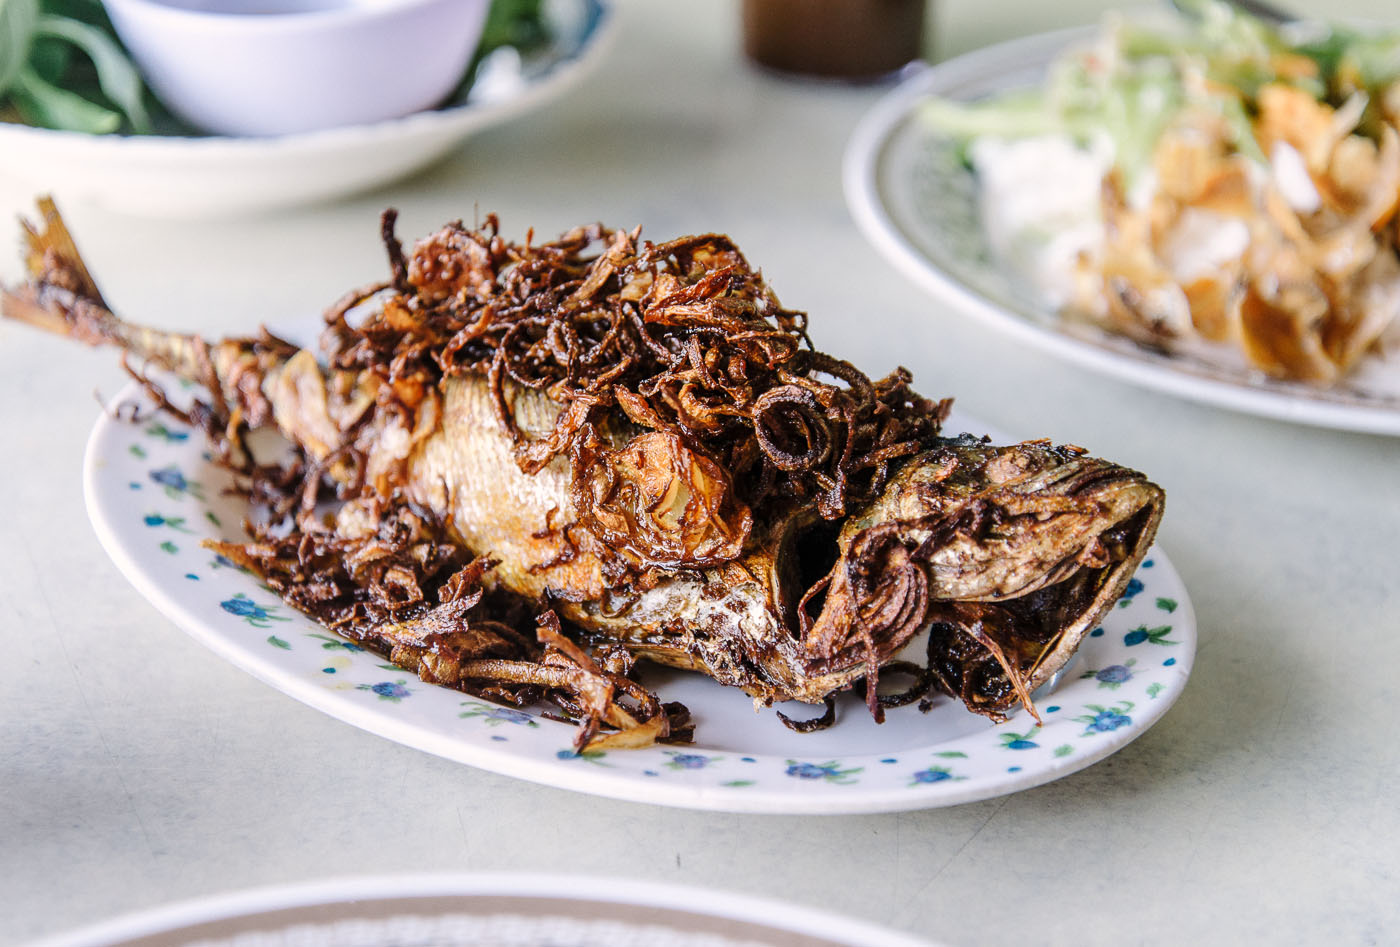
{"type": "Point", "coordinates": [60, 296]}
{"type": "Point", "coordinates": [52, 250]}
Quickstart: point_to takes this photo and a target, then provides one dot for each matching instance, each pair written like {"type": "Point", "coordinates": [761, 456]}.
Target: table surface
{"type": "Point", "coordinates": [137, 768]}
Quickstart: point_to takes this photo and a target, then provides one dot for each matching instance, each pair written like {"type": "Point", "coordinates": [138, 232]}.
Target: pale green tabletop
{"type": "Point", "coordinates": [138, 768]}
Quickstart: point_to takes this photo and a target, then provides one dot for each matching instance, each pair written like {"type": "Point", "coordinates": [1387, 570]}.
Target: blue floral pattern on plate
{"type": "Point", "coordinates": [1124, 678]}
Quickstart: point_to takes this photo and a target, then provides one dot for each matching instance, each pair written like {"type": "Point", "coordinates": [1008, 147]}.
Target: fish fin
{"type": "Point", "coordinates": [23, 304]}
{"type": "Point", "coordinates": [51, 252]}
{"type": "Point", "coordinates": [60, 296]}
{"type": "Point", "coordinates": [1018, 683]}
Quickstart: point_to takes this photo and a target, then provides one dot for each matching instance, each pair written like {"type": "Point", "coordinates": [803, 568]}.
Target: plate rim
{"type": "Point", "coordinates": [624, 785]}
{"type": "Point", "coordinates": [606, 889]}
{"type": "Point", "coordinates": [860, 176]}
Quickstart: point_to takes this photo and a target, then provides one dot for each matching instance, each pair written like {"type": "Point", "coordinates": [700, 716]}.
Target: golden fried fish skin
{"type": "Point", "coordinates": [639, 539]}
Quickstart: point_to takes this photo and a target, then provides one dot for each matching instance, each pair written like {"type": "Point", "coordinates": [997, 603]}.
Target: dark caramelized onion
{"type": "Point", "coordinates": [683, 338]}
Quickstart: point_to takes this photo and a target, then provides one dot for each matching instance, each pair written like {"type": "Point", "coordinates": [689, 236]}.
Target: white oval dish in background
{"type": "Point", "coordinates": [192, 177]}
{"type": "Point", "coordinates": [917, 203]}
{"type": "Point", "coordinates": [481, 910]}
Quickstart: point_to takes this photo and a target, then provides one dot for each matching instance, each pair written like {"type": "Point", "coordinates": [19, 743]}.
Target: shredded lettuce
{"type": "Point", "coordinates": [1130, 85]}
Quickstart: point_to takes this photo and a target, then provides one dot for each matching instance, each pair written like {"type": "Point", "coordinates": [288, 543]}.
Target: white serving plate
{"type": "Point", "coordinates": [153, 494]}
{"type": "Point", "coordinates": [917, 203]}
{"type": "Point", "coordinates": [480, 910]}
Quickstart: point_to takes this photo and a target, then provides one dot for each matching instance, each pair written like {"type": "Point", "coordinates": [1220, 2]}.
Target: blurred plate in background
{"type": "Point", "coordinates": [916, 201]}
{"type": "Point", "coordinates": [485, 911]}
{"type": "Point", "coordinates": [171, 176]}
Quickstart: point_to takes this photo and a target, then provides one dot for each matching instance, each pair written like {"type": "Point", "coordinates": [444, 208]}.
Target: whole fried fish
{"type": "Point", "coordinates": [643, 442]}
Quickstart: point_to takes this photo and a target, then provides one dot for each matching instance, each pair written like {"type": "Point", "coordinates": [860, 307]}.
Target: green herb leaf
{"type": "Point", "coordinates": [87, 11]}
{"type": "Point", "coordinates": [116, 76]}
{"type": "Point", "coordinates": [17, 19]}
{"type": "Point", "coordinates": [49, 58]}
{"type": "Point", "coordinates": [43, 104]}
{"type": "Point", "coordinates": [518, 23]}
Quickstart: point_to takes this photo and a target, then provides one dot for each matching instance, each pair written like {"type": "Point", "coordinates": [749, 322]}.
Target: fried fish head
{"type": "Point", "coordinates": [1008, 555]}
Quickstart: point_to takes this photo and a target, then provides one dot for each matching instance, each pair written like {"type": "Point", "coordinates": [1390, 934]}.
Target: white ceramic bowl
{"type": "Point", "coordinates": [274, 67]}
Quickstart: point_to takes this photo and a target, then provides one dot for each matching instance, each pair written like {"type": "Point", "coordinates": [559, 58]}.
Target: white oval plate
{"type": "Point", "coordinates": [153, 494]}
{"type": "Point", "coordinates": [917, 203]}
{"type": "Point", "coordinates": [172, 177]}
{"type": "Point", "coordinates": [509, 910]}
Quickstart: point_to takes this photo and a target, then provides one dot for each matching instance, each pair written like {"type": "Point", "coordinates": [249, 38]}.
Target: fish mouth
{"type": "Point", "coordinates": [1006, 556]}
{"type": "Point", "coordinates": [994, 654]}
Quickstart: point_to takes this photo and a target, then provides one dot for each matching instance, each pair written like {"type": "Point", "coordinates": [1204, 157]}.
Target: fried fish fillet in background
{"type": "Point", "coordinates": [634, 448]}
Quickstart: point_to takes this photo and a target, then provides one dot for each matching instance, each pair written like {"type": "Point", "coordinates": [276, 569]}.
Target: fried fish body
{"type": "Point", "coordinates": [774, 564]}
{"type": "Point", "coordinates": [966, 522]}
